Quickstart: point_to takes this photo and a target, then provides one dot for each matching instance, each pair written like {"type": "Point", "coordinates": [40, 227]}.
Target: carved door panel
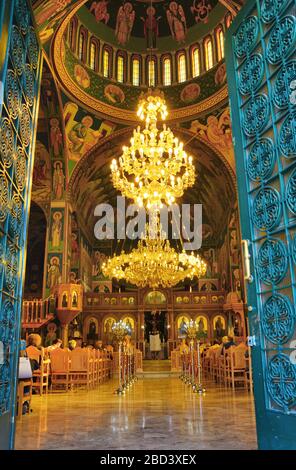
{"type": "Point", "coordinates": [19, 89]}
{"type": "Point", "coordinates": [261, 66]}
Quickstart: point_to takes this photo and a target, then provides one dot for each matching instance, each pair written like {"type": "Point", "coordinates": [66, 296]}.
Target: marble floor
{"type": "Point", "coordinates": [156, 414]}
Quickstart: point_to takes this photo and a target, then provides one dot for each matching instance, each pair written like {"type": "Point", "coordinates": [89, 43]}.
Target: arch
{"type": "Point", "coordinates": [212, 163]}
{"type": "Point", "coordinates": [155, 297]}
{"type": "Point", "coordinates": [90, 332]}
{"type": "Point", "coordinates": [219, 325]}
{"type": "Point", "coordinates": [209, 53]}
{"type": "Point", "coordinates": [72, 32]}
{"type": "Point", "coordinates": [181, 320]}
{"type": "Point", "coordinates": [131, 321]}
{"type": "Point", "coordinates": [106, 327]}
{"type": "Point", "coordinates": [202, 322]}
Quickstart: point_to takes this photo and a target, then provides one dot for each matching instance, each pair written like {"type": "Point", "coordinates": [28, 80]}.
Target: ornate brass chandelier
{"type": "Point", "coordinates": [154, 263]}
{"type": "Point", "coordinates": [154, 169]}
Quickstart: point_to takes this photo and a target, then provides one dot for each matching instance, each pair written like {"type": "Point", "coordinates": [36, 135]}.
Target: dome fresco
{"type": "Point", "coordinates": [138, 18]}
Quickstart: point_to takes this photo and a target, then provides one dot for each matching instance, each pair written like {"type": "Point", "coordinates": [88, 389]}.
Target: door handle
{"type": "Point", "coordinates": [246, 261]}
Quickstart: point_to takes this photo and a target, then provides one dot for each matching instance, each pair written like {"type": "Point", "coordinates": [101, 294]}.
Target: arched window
{"type": "Point", "coordinates": [182, 75]}
{"type": "Point", "coordinates": [81, 44]}
{"type": "Point", "coordinates": [220, 43]}
{"type": "Point", "coordinates": [151, 72]}
{"type": "Point", "coordinates": [195, 62]}
{"type": "Point", "coordinates": [136, 72]}
{"type": "Point", "coordinates": [167, 72]}
{"type": "Point", "coordinates": [72, 33]}
{"type": "Point", "coordinates": [106, 63]}
{"type": "Point", "coordinates": [209, 53]}
{"type": "Point", "coordinates": [93, 55]}
{"type": "Point", "coordinates": [120, 69]}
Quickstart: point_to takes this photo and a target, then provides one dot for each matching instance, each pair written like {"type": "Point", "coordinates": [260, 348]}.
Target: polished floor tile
{"type": "Point", "coordinates": [156, 414]}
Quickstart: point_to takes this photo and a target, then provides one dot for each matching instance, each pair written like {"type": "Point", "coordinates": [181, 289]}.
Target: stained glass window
{"type": "Point", "coordinates": [136, 72]}
{"type": "Point", "coordinates": [209, 54]}
{"type": "Point", "coordinates": [106, 61]}
{"type": "Point", "coordinates": [182, 76]}
{"type": "Point", "coordinates": [151, 73]}
{"type": "Point", "coordinates": [120, 69]}
{"type": "Point", "coordinates": [167, 72]}
{"type": "Point", "coordinates": [220, 43]}
{"type": "Point", "coordinates": [81, 45]}
{"type": "Point", "coordinates": [195, 62]}
{"type": "Point", "coordinates": [93, 53]}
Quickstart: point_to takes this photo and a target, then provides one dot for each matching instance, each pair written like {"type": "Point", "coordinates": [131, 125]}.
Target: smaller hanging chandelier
{"type": "Point", "coordinates": [154, 263]}
{"type": "Point", "coordinates": [154, 170]}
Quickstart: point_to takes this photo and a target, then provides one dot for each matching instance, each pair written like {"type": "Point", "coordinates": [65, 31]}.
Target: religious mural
{"type": "Point", "coordinates": [219, 327]}
{"type": "Point", "coordinates": [133, 18]}
{"type": "Point", "coordinates": [202, 325]}
{"type": "Point", "coordinates": [130, 323]}
{"type": "Point", "coordinates": [181, 325]}
{"type": "Point", "coordinates": [98, 259]}
{"type": "Point", "coordinates": [41, 184]}
{"type": "Point", "coordinates": [100, 10]}
{"type": "Point", "coordinates": [81, 76]}
{"type": "Point", "coordinates": [140, 18]}
{"type": "Point", "coordinates": [56, 231]}
{"type": "Point", "coordinates": [216, 130]}
{"type": "Point", "coordinates": [124, 23]}
{"type": "Point", "coordinates": [54, 270]}
{"type": "Point", "coordinates": [107, 329]}
{"type": "Point", "coordinates": [83, 131]}
{"type": "Point", "coordinates": [48, 14]}
{"type": "Point", "coordinates": [58, 180]}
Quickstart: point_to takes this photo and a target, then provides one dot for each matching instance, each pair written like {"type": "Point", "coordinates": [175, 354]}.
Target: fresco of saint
{"type": "Point", "coordinates": [177, 21]}
{"type": "Point", "coordinates": [125, 22]}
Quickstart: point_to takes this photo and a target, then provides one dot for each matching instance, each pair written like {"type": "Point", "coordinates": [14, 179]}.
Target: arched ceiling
{"type": "Point", "coordinates": [91, 183]}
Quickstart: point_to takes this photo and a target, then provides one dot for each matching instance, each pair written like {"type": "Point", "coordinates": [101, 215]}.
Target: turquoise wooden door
{"type": "Point", "coordinates": [19, 90]}
{"type": "Point", "coordinates": [261, 67]}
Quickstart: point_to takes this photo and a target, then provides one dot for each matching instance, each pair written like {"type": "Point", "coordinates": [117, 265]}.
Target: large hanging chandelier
{"type": "Point", "coordinates": [154, 263]}
{"type": "Point", "coordinates": [154, 169]}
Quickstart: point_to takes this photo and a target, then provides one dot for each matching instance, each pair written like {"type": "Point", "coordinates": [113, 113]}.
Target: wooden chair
{"type": "Point", "coordinates": [24, 394]}
{"type": "Point", "coordinates": [215, 362]}
{"type": "Point", "coordinates": [81, 368]}
{"type": "Point", "coordinates": [60, 369]}
{"type": "Point", "coordinates": [236, 372]}
{"type": "Point", "coordinates": [40, 376]}
{"type": "Point", "coordinates": [95, 367]}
